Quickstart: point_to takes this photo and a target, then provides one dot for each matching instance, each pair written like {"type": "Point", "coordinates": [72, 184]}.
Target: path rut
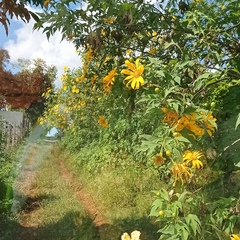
{"type": "Point", "coordinates": [26, 199]}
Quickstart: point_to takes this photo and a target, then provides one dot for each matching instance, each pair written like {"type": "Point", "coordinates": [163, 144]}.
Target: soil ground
{"type": "Point", "coordinates": [29, 200]}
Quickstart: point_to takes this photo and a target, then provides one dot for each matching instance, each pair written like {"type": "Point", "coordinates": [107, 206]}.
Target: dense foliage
{"type": "Point", "coordinates": [154, 83]}
{"type": "Point", "coordinates": [18, 9]}
{"type": "Point", "coordinates": [7, 166]}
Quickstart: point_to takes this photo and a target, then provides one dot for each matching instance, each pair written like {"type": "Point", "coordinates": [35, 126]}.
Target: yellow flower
{"type": "Point", "coordinates": [93, 79]}
{"type": "Point", "coordinates": [128, 51]}
{"type": "Point", "coordinates": [102, 121]}
{"type": "Point", "coordinates": [56, 106]}
{"type": "Point", "coordinates": [63, 77]}
{"type": "Point", "coordinates": [125, 236]}
{"type": "Point", "coordinates": [84, 73]}
{"type": "Point", "coordinates": [165, 110]}
{"type": "Point", "coordinates": [154, 34]}
{"type": "Point", "coordinates": [107, 59]}
{"type": "Point", "coordinates": [209, 122]}
{"type": "Point", "coordinates": [82, 103]}
{"type": "Point", "coordinates": [89, 55]}
{"type": "Point", "coordinates": [109, 20]}
{"type": "Point", "coordinates": [158, 159]}
{"type": "Point", "coordinates": [135, 72]}
{"type": "Point", "coordinates": [198, 131]}
{"type": "Point", "coordinates": [64, 87]}
{"type": "Point", "coordinates": [109, 80]}
{"type": "Point", "coordinates": [75, 89]}
{"type": "Point", "coordinates": [152, 51]}
{"type": "Point", "coordinates": [40, 120]}
{"type": "Point", "coordinates": [181, 172]}
{"type": "Point", "coordinates": [193, 158]}
{"type": "Point", "coordinates": [46, 3]}
{"type": "Point", "coordinates": [135, 235]}
{"type": "Point", "coordinates": [171, 117]}
{"type": "Point", "coordinates": [103, 32]}
{"type": "Point", "coordinates": [188, 121]}
{"type": "Point", "coordinates": [65, 68]}
{"type": "Point", "coordinates": [149, 34]}
{"type": "Point", "coordinates": [234, 237]}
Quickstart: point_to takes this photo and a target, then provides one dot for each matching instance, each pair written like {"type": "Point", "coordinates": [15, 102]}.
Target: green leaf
{"type": "Point", "coordinates": [168, 91]}
{"type": "Point", "coordinates": [199, 83]}
{"type": "Point", "coordinates": [176, 206]}
{"type": "Point", "coordinates": [168, 229]}
{"type": "Point", "coordinates": [183, 139]}
{"type": "Point", "coordinates": [217, 231]}
{"type": "Point", "coordinates": [177, 79]}
{"type": "Point", "coordinates": [149, 143]}
{"type": "Point", "coordinates": [157, 204]}
{"type": "Point", "coordinates": [204, 76]}
{"type": "Point", "coordinates": [164, 194]}
{"type": "Point", "coordinates": [34, 16]}
{"type": "Point", "coordinates": [172, 43]}
{"type": "Point", "coordinates": [186, 63]}
{"type": "Point", "coordinates": [177, 153]}
{"type": "Point", "coordinates": [214, 80]}
{"type": "Point", "coordinates": [182, 230]}
{"type": "Point", "coordinates": [160, 73]}
{"type": "Point", "coordinates": [193, 222]}
{"type": "Point", "coordinates": [185, 234]}
{"type": "Point", "coordinates": [175, 106]}
{"type": "Point", "coordinates": [238, 121]}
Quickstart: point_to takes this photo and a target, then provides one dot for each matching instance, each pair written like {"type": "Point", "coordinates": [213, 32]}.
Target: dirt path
{"type": "Point", "coordinates": [98, 217]}
{"type": "Point", "coordinates": [31, 197]}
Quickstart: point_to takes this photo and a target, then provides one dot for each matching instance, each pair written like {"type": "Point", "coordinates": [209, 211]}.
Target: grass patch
{"type": "Point", "coordinates": [56, 194]}
{"type": "Point", "coordinates": [122, 190]}
{"type": "Point", "coordinates": [50, 210]}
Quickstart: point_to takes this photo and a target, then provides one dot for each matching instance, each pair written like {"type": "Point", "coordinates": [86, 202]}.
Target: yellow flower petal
{"type": "Point", "coordinates": [129, 77]}
{"type": "Point", "coordinates": [130, 65]}
{"type": "Point", "coordinates": [135, 235]}
{"type": "Point", "coordinates": [135, 72]}
{"type": "Point", "coordinates": [197, 164]}
{"type": "Point", "coordinates": [125, 236]}
{"type": "Point", "coordinates": [234, 237]}
{"type": "Point", "coordinates": [137, 63]}
{"type": "Point", "coordinates": [126, 71]}
{"type": "Point", "coordinates": [141, 69]}
{"type": "Point", "coordinates": [137, 82]}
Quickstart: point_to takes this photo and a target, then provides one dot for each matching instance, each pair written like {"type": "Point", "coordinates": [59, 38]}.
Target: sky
{"type": "Point", "coordinates": [22, 42]}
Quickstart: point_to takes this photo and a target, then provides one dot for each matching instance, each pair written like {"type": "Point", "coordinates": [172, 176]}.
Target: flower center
{"type": "Point", "coordinates": [137, 73]}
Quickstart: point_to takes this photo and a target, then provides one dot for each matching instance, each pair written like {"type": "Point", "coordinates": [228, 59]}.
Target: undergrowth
{"type": "Point", "coordinates": [122, 190]}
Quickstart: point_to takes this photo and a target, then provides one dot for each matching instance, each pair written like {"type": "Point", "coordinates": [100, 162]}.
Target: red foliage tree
{"type": "Point", "coordinates": [24, 90]}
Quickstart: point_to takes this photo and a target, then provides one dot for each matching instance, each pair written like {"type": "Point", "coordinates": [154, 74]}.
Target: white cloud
{"type": "Point", "coordinates": [30, 44]}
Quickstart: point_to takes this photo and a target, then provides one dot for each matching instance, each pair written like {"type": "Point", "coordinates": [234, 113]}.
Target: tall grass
{"type": "Point", "coordinates": [121, 188]}
{"type": "Point", "coordinates": [50, 210]}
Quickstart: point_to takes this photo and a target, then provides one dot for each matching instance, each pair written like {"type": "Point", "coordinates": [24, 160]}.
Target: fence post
{"type": "Point", "coordinates": [13, 133]}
